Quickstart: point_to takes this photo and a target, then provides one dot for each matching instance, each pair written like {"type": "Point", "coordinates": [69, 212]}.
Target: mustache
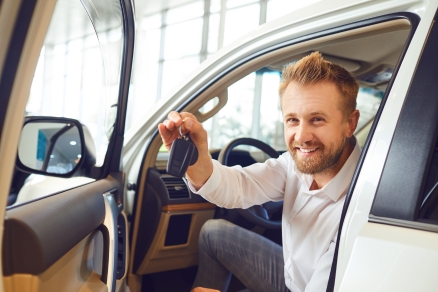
{"type": "Point", "coordinates": [294, 145]}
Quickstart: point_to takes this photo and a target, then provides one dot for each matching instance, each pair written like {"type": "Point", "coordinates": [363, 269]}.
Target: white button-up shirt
{"type": "Point", "coordinates": [310, 218]}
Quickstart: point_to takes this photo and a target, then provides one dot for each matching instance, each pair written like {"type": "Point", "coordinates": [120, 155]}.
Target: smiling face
{"type": "Point", "coordinates": [316, 129]}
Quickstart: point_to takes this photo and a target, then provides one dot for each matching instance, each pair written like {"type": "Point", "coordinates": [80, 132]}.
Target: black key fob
{"type": "Point", "coordinates": [182, 154]}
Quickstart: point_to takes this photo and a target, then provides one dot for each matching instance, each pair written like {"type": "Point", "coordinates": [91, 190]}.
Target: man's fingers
{"type": "Point", "coordinates": [187, 126]}
{"type": "Point", "coordinates": [196, 131]}
{"type": "Point", "coordinates": [166, 135]}
{"type": "Point", "coordinates": [175, 117]}
{"type": "Point", "coordinates": [170, 125]}
{"type": "Point", "coordinates": [185, 115]}
{"type": "Point", "coordinates": [176, 120]}
{"type": "Point", "coordinates": [164, 132]}
{"type": "Point", "coordinates": [169, 129]}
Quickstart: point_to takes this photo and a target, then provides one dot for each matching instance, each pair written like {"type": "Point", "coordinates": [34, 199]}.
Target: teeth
{"type": "Point", "coordinates": [307, 150]}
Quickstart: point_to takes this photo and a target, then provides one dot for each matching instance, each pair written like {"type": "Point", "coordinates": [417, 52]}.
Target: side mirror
{"type": "Point", "coordinates": [51, 146]}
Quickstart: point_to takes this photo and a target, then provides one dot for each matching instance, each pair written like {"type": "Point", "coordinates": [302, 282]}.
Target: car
{"type": "Point", "coordinates": [120, 222]}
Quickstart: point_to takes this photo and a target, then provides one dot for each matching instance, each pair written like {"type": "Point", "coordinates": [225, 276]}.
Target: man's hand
{"type": "Point", "coordinates": [199, 172]}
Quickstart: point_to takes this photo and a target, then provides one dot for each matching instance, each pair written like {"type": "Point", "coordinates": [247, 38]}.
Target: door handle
{"type": "Point", "coordinates": [112, 211]}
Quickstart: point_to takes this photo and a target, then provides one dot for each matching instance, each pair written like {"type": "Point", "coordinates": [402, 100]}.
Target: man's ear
{"type": "Point", "coordinates": [353, 119]}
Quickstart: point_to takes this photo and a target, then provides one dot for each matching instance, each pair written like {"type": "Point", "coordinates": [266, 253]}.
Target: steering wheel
{"type": "Point", "coordinates": [258, 214]}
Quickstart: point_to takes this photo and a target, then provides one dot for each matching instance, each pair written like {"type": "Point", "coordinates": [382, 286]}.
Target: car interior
{"type": "Point", "coordinates": [166, 217]}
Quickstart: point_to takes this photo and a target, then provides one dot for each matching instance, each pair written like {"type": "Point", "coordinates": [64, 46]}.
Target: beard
{"type": "Point", "coordinates": [324, 160]}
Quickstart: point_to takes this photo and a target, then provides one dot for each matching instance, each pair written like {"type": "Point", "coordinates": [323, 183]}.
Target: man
{"type": "Point", "coordinates": [318, 101]}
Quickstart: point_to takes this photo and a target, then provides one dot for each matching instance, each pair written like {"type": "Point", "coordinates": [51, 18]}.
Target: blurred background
{"type": "Point", "coordinates": [175, 36]}
{"type": "Point", "coordinates": [78, 71]}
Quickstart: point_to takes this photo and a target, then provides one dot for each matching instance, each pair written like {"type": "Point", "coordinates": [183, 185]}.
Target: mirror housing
{"type": "Point", "coordinates": [55, 146]}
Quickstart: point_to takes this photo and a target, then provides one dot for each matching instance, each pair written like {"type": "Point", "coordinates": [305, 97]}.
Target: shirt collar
{"type": "Point", "coordinates": [339, 184]}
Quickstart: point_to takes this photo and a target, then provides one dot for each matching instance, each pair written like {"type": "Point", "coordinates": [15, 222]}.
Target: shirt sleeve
{"type": "Point", "coordinates": [237, 187]}
{"type": "Point", "coordinates": [319, 280]}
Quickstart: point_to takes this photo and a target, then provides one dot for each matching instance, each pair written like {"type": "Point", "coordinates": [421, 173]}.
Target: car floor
{"type": "Point", "coordinates": [180, 281]}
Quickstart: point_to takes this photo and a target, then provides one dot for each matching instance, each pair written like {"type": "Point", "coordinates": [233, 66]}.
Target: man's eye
{"type": "Point", "coordinates": [291, 120]}
{"type": "Point", "coordinates": [317, 119]}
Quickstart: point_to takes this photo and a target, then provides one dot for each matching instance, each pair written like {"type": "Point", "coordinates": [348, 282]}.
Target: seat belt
{"type": "Point", "coordinates": [331, 281]}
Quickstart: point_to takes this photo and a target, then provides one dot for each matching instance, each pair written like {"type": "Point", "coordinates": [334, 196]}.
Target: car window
{"type": "Point", "coordinates": [253, 110]}
{"type": "Point", "coordinates": [77, 76]}
{"type": "Point", "coordinates": [407, 191]}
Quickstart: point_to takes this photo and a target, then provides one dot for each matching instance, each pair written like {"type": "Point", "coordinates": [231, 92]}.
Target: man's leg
{"type": "Point", "coordinates": [224, 247]}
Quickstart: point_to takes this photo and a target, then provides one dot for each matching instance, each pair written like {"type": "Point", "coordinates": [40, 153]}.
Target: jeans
{"type": "Point", "coordinates": [225, 248]}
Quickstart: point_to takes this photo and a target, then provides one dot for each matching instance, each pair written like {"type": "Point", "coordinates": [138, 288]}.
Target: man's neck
{"type": "Point", "coordinates": [323, 178]}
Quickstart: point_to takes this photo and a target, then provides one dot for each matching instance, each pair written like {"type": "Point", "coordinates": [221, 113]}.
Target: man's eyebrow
{"type": "Point", "coordinates": [318, 114]}
{"type": "Point", "coordinates": [288, 115]}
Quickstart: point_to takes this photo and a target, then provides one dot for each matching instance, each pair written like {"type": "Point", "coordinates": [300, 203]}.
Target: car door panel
{"type": "Point", "coordinates": [391, 258]}
{"type": "Point", "coordinates": [14, 100]}
{"type": "Point", "coordinates": [414, 115]}
{"type": "Point", "coordinates": [59, 275]}
{"type": "Point", "coordinates": [49, 235]}
{"type": "Point", "coordinates": [384, 214]}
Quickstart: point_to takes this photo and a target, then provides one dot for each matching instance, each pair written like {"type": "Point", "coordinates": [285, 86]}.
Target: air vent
{"type": "Point", "coordinates": [176, 187]}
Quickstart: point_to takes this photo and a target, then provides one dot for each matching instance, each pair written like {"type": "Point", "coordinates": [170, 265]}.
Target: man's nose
{"type": "Point", "coordinates": [303, 134]}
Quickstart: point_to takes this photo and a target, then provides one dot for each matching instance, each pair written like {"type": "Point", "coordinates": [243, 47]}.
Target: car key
{"type": "Point", "coordinates": [183, 153]}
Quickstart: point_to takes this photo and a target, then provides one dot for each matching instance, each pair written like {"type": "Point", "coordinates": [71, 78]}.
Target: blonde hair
{"type": "Point", "coordinates": [313, 69]}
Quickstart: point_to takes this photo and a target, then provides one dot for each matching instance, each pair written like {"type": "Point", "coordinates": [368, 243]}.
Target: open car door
{"type": "Point", "coordinates": [63, 233]}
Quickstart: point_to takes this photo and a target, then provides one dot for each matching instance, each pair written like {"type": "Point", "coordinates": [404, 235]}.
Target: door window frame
{"type": "Point", "coordinates": [400, 191]}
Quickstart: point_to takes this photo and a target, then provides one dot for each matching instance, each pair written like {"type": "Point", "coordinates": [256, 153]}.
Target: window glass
{"type": "Point", "coordinates": [234, 120]}
{"type": "Point", "coordinates": [183, 39]}
{"type": "Point", "coordinates": [181, 49]}
{"type": "Point", "coordinates": [144, 80]}
{"type": "Point", "coordinates": [368, 102]}
{"type": "Point", "coordinates": [142, 93]}
{"type": "Point", "coordinates": [77, 68]}
{"type": "Point", "coordinates": [106, 18]}
{"type": "Point", "coordinates": [235, 27]}
{"type": "Point", "coordinates": [36, 91]}
{"type": "Point", "coordinates": [185, 12]}
{"type": "Point", "coordinates": [77, 76]}
{"type": "Point", "coordinates": [254, 110]}
{"type": "Point", "coordinates": [213, 33]}
{"type": "Point", "coordinates": [215, 6]}
{"type": "Point", "coordinates": [175, 70]}
{"type": "Point", "coordinates": [279, 8]}
{"type": "Point", "coordinates": [150, 22]}
{"type": "Point", "coordinates": [236, 3]}
{"type": "Point", "coordinates": [149, 42]}
{"type": "Point", "coordinates": [271, 119]}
